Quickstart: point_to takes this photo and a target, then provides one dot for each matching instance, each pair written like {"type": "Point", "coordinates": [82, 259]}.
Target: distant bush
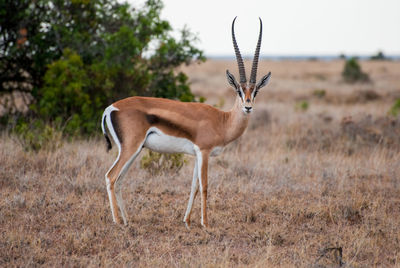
{"type": "Point", "coordinates": [319, 93]}
{"type": "Point", "coordinates": [378, 56]}
{"type": "Point", "coordinates": [303, 105]}
{"type": "Point", "coordinates": [352, 72]}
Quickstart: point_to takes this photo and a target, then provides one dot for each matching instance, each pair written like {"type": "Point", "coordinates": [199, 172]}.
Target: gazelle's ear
{"type": "Point", "coordinates": [232, 80]}
{"type": "Point", "coordinates": [263, 81]}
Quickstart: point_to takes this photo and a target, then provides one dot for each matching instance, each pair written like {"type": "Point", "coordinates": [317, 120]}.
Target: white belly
{"type": "Point", "coordinates": [159, 142]}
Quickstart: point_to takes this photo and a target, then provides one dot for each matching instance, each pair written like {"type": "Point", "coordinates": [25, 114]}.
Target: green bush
{"type": "Point", "coordinates": [352, 72]}
{"type": "Point", "coordinates": [37, 136]}
{"type": "Point", "coordinates": [302, 105]}
{"type": "Point", "coordinates": [156, 163]}
{"type": "Point", "coordinates": [88, 54]}
{"type": "Point", "coordinates": [65, 95]}
{"type": "Point", "coordinates": [395, 109]}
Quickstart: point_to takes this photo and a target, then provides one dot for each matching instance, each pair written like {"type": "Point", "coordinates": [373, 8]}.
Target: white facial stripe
{"type": "Point", "coordinates": [241, 93]}
{"type": "Point", "coordinates": [253, 94]}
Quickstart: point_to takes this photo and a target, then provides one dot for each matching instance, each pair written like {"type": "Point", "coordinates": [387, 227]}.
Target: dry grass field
{"type": "Point", "coordinates": [313, 182]}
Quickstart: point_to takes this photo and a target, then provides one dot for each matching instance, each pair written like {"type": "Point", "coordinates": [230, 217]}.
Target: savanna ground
{"type": "Point", "coordinates": [313, 182]}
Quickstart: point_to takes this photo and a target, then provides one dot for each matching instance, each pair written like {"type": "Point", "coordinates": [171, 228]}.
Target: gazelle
{"type": "Point", "coordinates": [169, 126]}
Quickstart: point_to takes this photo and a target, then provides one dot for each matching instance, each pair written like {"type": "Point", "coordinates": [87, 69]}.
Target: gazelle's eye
{"type": "Point", "coordinates": [240, 94]}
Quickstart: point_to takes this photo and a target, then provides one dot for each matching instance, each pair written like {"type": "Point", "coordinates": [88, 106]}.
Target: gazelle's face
{"type": "Point", "coordinates": [247, 98]}
{"type": "Point", "coordinates": [247, 92]}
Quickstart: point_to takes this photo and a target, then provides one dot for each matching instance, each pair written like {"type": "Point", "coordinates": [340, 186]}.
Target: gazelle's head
{"type": "Point", "coordinates": [247, 92]}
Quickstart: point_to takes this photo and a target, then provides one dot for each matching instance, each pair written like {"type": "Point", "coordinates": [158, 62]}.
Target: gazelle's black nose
{"type": "Point", "coordinates": [248, 109]}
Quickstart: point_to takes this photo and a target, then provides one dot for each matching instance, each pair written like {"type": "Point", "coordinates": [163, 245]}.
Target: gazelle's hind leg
{"type": "Point", "coordinates": [193, 193]}
{"type": "Point", "coordinates": [114, 179]}
{"type": "Point", "coordinates": [127, 152]}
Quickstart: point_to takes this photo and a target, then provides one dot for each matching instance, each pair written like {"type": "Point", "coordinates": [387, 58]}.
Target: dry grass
{"type": "Point", "coordinates": [301, 188]}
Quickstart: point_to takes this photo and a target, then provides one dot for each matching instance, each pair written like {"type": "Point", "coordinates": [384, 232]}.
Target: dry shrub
{"type": "Point", "coordinates": [363, 96]}
{"type": "Point", "coordinates": [157, 163]}
{"type": "Point", "coordinates": [367, 131]}
{"type": "Point", "coordinates": [350, 136]}
{"type": "Point", "coordinates": [330, 257]}
{"type": "Point", "coordinates": [319, 93]}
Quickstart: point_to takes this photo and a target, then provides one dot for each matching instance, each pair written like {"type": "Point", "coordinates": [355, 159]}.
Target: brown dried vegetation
{"type": "Point", "coordinates": [318, 188]}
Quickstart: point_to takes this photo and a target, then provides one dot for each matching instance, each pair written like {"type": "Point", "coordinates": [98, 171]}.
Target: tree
{"type": "Point", "coordinates": [26, 47]}
{"type": "Point", "coordinates": [80, 55]}
{"type": "Point", "coordinates": [378, 56]}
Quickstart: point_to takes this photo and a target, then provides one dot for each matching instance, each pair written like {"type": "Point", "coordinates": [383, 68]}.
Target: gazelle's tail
{"type": "Point", "coordinates": [103, 128]}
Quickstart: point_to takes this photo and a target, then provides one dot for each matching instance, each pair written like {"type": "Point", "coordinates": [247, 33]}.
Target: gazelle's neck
{"type": "Point", "coordinates": [236, 122]}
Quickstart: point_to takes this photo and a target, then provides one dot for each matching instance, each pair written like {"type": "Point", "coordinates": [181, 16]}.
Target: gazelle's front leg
{"type": "Point", "coordinates": [203, 179]}
{"type": "Point", "coordinates": [193, 193]}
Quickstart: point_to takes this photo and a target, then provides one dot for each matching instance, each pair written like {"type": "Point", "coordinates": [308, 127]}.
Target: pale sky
{"type": "Point", "coordinates": [308, 27]}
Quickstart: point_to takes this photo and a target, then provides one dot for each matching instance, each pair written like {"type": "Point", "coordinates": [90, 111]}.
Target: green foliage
{"type": "Point", "coordinates": [202, 99]}
{"type": "Point", "coordinates": [156, 163]}
{"type": "Point", "coordinates": [65, 95]}
{"type": "Point", "coordinates": [303, 105]}
{"type": "Point", "coordinates": [27, 45]}
{"type": "Point", "coordinates": [395, 109]}
{"type": "Point", "coordinates": [352, 72]}
{"type": "Point", "coordinates": [82, 55]}
{"type": "Point", "coordinates": [37, 135]}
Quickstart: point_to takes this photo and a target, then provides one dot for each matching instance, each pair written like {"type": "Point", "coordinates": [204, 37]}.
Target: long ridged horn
{"type": "Point", "coordinates": [238, 56]}
{"type": "Point", "coordinates": [255, 59]}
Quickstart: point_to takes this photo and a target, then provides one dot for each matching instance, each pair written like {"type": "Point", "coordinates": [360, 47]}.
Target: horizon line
{"type": "Point", "coordinates": [304, 56]}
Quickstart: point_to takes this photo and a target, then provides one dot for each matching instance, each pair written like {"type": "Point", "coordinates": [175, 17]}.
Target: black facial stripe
{"type": "Point", "coordinates": [255, 93]}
